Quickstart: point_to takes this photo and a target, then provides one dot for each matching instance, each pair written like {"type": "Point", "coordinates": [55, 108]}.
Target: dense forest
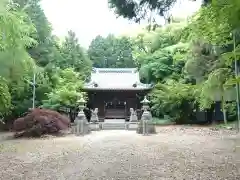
{"type": "Point", "coordinates": [190, 61]}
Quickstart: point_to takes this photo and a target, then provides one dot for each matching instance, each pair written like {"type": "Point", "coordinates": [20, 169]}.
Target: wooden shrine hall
{"type": "Point", "coordinates": [114, 91]}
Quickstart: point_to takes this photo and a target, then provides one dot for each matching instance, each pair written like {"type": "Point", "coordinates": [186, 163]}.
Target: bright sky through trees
{"type": "Point", "coordinates": [89, 18]}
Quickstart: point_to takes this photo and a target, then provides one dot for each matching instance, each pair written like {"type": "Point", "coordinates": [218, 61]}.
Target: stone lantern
{"type": "Point", "coordinates": [82, 126]}
{"type": "Point", "coordinates": [145, 102]}
{"type": "Point", "coordinates": [146, 126]}
{"type": "Point", "coordinates": [81, 102]}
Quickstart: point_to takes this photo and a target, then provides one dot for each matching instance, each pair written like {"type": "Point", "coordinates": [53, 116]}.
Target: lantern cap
{"type": "Point", "coordinates": [145, 100]}
{"type": "Point", "coordinates": [81, 100]}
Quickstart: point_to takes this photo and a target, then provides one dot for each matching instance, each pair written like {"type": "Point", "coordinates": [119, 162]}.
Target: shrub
{"type": "Point", "coordinates": [174, 99]}
{"type": "Point", "coordinates": [40, 121]}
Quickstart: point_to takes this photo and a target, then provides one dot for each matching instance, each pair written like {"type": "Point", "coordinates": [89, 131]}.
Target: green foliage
{"type": "Point", "coordinates": [231, 108]}
{"type": "Point", "coordinates": [111, 52]}
{"type": "Point", "coordinates": [216, 26]}
{"type": "Point", "coordinates": [215, 22]}
{"type": "Point", "coordinates": [175, 99]}
{"type": "Point", "coordinates": [160, 54]}
{"type": "Point", "coordinates": [66, 92]}
{"type": "Point", "coordinates": [44, 50]}
{"type": "Point", "coordinates": [15, 62]}
{"type": "Point", "coordinates": [162, 122]}
{"type": "Point", "coordinates": [176, 57]}
{"type": "Point", "coordinates": [15, 37]}
{"type": "Point", "coordinates": [156, 66]}
{"type": "Point", "coordinates": [5, 97]}
{"type": "Point", "coordinates": [133, 9]}
{"type": "Point", "coordinates": [14, 29]}
{"type": "Point", "coordinates": [38, 18]}
{"type": "Point", "coordinates": [73, 55]}
{"type": "Point", "coordinates": [191, 62]}
{"type": "Point", "coordinates": [201, 60]}
{"type": "Point", "coordinates": [27, 47]}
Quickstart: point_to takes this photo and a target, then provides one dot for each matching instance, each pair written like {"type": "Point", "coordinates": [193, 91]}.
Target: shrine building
{"type": "Point", "coordinates": [114, 91]}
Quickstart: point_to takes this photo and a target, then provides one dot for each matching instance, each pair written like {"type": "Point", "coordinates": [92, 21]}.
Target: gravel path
{"type": "Point", "coordinates": [175, 153]}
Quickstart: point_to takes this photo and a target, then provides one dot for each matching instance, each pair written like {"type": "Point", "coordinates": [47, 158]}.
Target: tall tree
{"type": "Point", "coordinates": [45, 50]}
{"type": "Point", "coordinates": [15, 62]}
{"type": "Point", "coordinates": [155, 52]}
{"type": "Point", "coordinates": [111, 52]}
{"type": "Point", "coordinates": [67, 90]}
{"type": "Point", "coordinates": [73, 55]}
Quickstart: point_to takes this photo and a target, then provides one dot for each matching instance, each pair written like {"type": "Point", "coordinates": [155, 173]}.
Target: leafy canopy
{"type": "Point", "coordinates": [137, 10]}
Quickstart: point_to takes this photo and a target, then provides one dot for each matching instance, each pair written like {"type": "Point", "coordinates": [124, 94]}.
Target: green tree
{"type": "Point", "coordinates": [111, 52]}
{"type": "Point", "coordinates": [26, 40]}
{"type": "Point", "coordinates": [215, 84]}
{"type": "Point", "coordinates": [160, 54]}
{"type": "Point", "coordinates": [45, 49]}
{"type": "Point", "coordinates": [5, 98]}
{"type": "Point", "coordinates": [66, 92]}
{"type": "Point", "coordinates": [15, 62]}
{"type": "Point", "coordinates": [73, 55]}
{"type": "Point", "coordinates": [175, 99]}
{"type": "Point", "coordinates": [136, 10]}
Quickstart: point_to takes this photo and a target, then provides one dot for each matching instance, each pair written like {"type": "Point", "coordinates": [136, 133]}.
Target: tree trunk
{"type": "Point", "coordinates": [223, 108]}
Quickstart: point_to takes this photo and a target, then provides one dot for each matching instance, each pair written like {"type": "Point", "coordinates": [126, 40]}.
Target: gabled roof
{"type": "Point", "coordinates": [115, 79]}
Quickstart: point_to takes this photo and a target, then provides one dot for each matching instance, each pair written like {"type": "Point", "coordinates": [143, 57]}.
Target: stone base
{"type": "Point", "coordinates": [236, 149]}
{"type": "Point", "coordinates": [100, 125]}
{"type": "Point", "coordinates": [132, 126]}
{"type": "Point", "coordinates": [83, 129]}
{"type": "Point", "coordinates": [151, 129]}
{"type": "Point", "coordinates": [94, 126]}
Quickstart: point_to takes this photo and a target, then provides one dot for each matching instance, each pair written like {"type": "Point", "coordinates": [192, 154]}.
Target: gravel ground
{"type": "Point", "coordinates": [175, 153]}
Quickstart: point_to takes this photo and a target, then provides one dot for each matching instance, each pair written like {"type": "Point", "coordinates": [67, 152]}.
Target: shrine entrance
{"type": "Point", "coordinates": [114, 104]}
{"type": "Point", "coordinates": [115, 109]}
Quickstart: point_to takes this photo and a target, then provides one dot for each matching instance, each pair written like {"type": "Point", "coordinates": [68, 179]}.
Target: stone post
{"type": "Point", "coordinates": [81, 123]}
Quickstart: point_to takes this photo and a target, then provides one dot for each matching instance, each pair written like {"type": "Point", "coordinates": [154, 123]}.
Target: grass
{"type": "Point", "coordinates": [162, 122]}
{"type": "Point", "coordinates": [229, 125]}
{"type": "Point", "coordinates": [165, 122]}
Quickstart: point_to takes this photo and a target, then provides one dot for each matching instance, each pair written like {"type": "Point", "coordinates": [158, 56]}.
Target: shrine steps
{"type": "Point", "coordinates": [114, 124]}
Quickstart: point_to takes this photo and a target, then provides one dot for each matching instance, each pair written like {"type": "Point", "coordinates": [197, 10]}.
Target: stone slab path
{"type": "Point", "coordinates": [175, 153]}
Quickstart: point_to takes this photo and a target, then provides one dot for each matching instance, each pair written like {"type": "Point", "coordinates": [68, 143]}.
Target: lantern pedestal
{"type": "Point", "coordinates": [146, 128]}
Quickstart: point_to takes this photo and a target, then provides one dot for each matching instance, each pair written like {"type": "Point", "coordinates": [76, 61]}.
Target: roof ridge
{"type": "Point", "coordinates": [115, 78]}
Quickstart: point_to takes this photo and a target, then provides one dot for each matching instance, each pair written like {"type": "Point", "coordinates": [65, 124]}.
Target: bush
{"type": "Point", "coordinates": [231, 111]}
{"type": "Point", "coordinates": [174, 99]}
{"type": "Point", "coordinates": [40, 121]}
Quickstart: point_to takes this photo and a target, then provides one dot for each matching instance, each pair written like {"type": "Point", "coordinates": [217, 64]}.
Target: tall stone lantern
{"type": "Point", "coordinates": [81, 102]}
{"type": "Point", "coordinates": [146, 126]}
{"type": "Point", "coordinates": [145, 102]}
{"type": "Point", "coordinates": [82, 125]}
